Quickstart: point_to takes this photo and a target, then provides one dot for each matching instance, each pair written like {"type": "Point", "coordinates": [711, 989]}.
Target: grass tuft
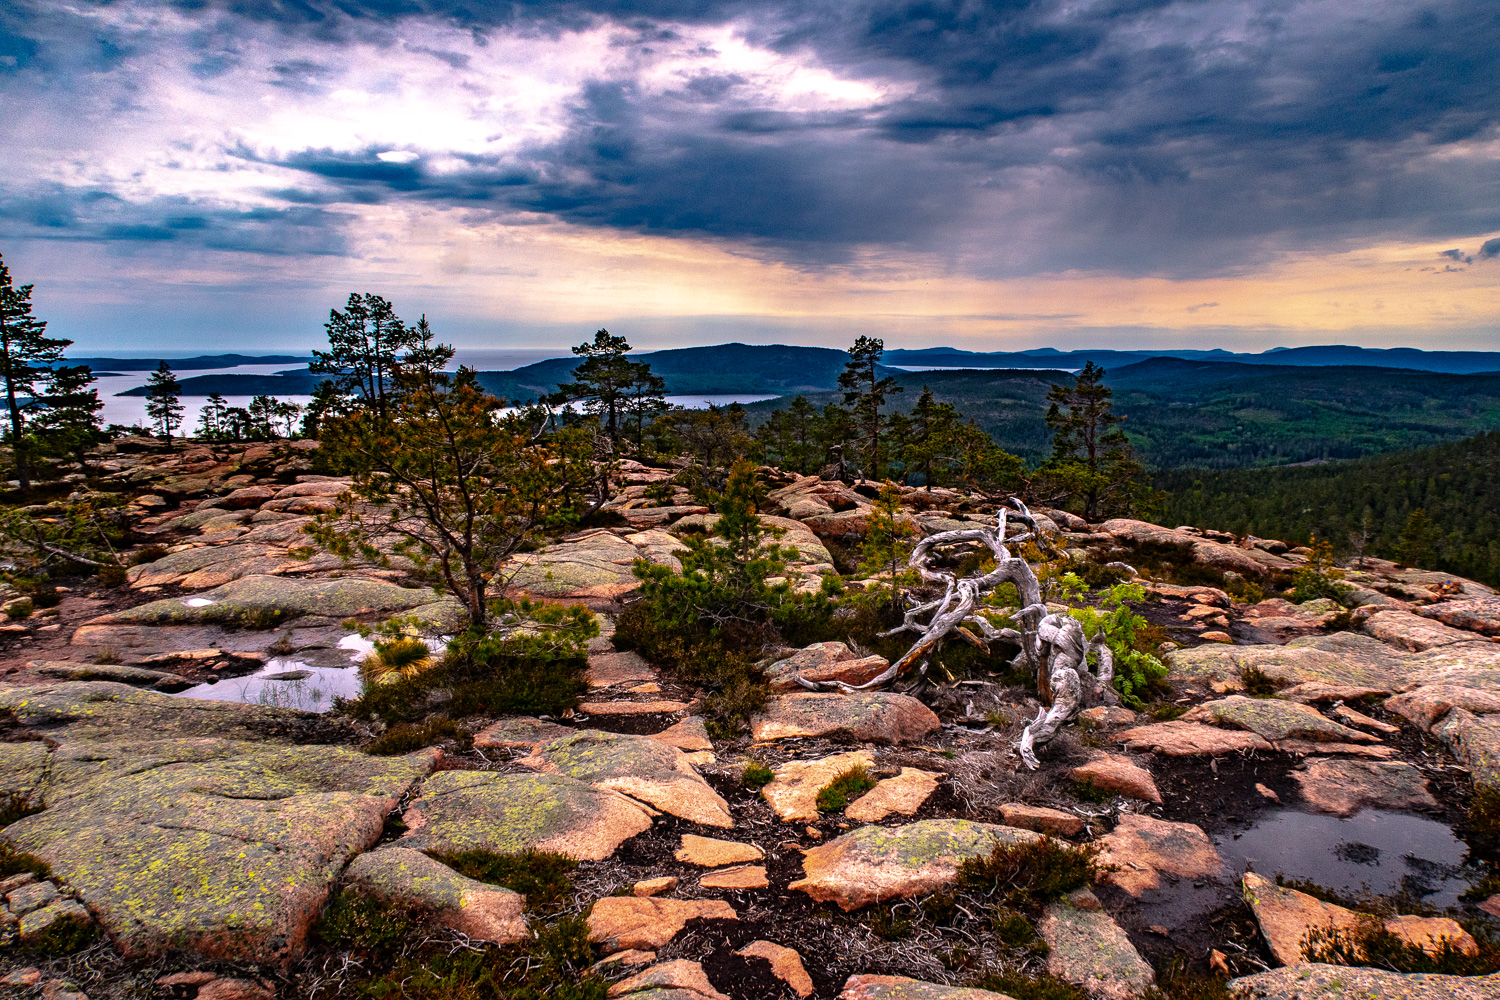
{"type": "Point", "coordinates": [849, 785]}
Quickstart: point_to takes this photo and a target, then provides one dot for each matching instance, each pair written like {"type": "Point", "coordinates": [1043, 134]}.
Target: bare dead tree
{"type": "Point", "coordinates": [1062, 684]}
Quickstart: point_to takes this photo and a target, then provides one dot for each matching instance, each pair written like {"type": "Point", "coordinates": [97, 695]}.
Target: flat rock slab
{"type": "Point", "coordinates": [689, 735]}
{"type": "Point", "coordinates": [901, 988]}
{"type": "Point", "coordinates": [793, 792]}
{"type": "Point", "coordinates": [1286, 916]}
{"type": "Point", "coordinates": [471, 810]}
{"type": "Point", "coordinates": [902, 795]}
{"type": "Point", "coordinates": [1144, 849]}
{"type": "Point", "coordinates": [739, 877]}
{"type": "Point", "coordinates": [877, 863]}
{"type": "Point", "coordinates": [618, 667]}
{"type": "Point", "coordinates": [1041, 819]}
{"type": "Point", "coordinates": [1336, 982]}
{"type": "Point", "coordinates": [1475, 740]}
{"type": "Point", "coordinates": [1346, 658]}
{"type": "Point", "coordinates": [71, 670]}
{"type": "Point", "coordinates": [706, 852]}
{"type": "Point", "coordinates": [1120, 776]}
{"type": "Point", "coordinates": [400, 875]}
{"type": "Point", "coordinates": [870, 717]}
{"type": "Point", "coordinates": [1413, 632]}
{"type": "Point", "coordinates": [1344, 787]}
{"type": "Point", "coordinates": [677, 975]}
{"type": "Point", "coordinates": [593, 565]}
{"type": "Point", "coordinates": [1276, 719]}
{"type": "Point", "coordinates": [246, 600]}
{"type": "Point", "coordinates": [621, 922]}
{"type": "Point", "coordinates": [1477, 614]}
{"type": "Point", "coordinates": [1088, 949]}
{"type": "Point", "coordinates": [632, 707]}
{"type": "Point", "coordinates": [786, 964]}
{"type": "Point", "coordinates": [519, 734]}
{"type": "Point", "coordinates": [825, 661]}
{"type": "Point", "coordinates": [1187, 739]}
{"type": "Point", "coordinates": [220, 847]}
{"type": "Point", "coordinates": [638, 766]}
{"type": "Point", "coordinates": [1428, 705]}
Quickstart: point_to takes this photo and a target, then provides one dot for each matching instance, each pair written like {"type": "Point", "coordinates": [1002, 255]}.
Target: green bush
{"type": "Point", "coordinates": [1256, 682]}
{"type": "Point", "coordinates": [850, 784]}
{"type": "Point", "coordinates": [1038, 987]}
{"type": "Point", "coordinates": [1318, 577]}
{"type": "Point", "coordinates": [1025, 875]}
{"type": "Point", "coordinates": [756, 775]}
{"type": "Point", "coordinates": [66, 935]}
{"type": "Point", "coordinates": [541, 876]}
{"type": "Point", "coordinates": [406, 737]}
{"type": "Point", "coordinates": [1484, 813]}
{"type": "Point", "coordinates": [14, 805]}
{"type": "Point", "coordinates": [354, 922]}
{"type": "Point", "coordinates": [1369, 943]}
{"type": "Point", "coordinates": [1132, 639]}
{"type": "Point", "coordinates": [14, 861]}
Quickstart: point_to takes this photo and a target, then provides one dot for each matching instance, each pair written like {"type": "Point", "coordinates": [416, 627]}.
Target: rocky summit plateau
{"type": "Point", "coordinates": [1303, 803]}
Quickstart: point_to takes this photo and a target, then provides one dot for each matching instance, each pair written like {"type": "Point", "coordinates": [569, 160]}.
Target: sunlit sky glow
{"type": "Point", "coordinates": [1120, 173]}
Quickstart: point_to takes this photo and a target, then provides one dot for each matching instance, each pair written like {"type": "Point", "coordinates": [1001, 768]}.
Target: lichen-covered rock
{"type": "Point", "coordinates": [593, 564]}
{"type": "Point", "coordinates": [401, 875]}
{"type": "Point", "coordinates": [1041, 819]}
{"type": "Point", "coordinates": [1412, 632]}
{"type": "Point", "coordinates": [902, 988]}
{"type": "Point", "coordinates": [1336, 982]}
{"type": "Point", "coordinates": [469, 810]}
{"type": "Point", "coordinates": [221, 847]}
{"type": "Point", "coordinates": [1429, 704]}
{"type": "Point", "coordinates": [87, 711]}
{"type": "Point", "coordinates": [868, 716]}
{"type": "Point", "coordinates": [519, 734]}
{"type": "Point", "coordinates": [1347, 658]}
{"type": "Point", "coordinates": [1477, 614]}
{"type": "Point", "coordinates": [1275, 719]}
{"type": "Point", "coordinates": [1142, 849]}
{"type": "Point", "coordinates": [1186, 739]}
{"type": "Point", "coordinates": [72, 670]}
{"type": "Point", "coordinates": [252, 600]}
{"type": "Point", "coordinates": [1344, 787]}
{"type": "Point", "coordinates": [1088, 949]}
{"type": "Point", "coordinates": [877, 863]}
{"type": "Point", "coordinates": [638, 766]}
{"type": "Point", "coordinates": [621, 922]}
{"type": "Point", "coordinates": [1475, 740]}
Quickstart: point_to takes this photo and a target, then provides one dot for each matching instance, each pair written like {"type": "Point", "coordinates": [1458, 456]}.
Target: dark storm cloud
{"type": "Point", "coordinates": [1134, 136]}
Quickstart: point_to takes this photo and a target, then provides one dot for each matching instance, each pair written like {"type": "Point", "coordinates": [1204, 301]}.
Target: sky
{"type": "Point", "coordinates": [218, 174]}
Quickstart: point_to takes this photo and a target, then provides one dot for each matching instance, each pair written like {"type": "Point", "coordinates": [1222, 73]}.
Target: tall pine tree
{"type": "Point", "coordinates": [27, 355]}
{"type": "Point", "coordinates": [164, 400]}
{"type": "Point", "coordinates": [865, 393]}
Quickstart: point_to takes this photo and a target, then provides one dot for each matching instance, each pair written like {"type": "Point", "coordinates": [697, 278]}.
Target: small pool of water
{"type": "Point", "coordinates": [1385, 853]}
{"type": "Point", "coordinates": [284, 683]}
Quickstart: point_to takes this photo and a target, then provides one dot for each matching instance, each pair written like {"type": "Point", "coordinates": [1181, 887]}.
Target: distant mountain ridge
{"type": "Point", "coordinates": [1410, 358]}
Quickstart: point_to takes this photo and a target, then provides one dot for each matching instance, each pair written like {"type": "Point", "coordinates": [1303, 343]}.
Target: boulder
{"type": "Point", "coordinates": [867, 716]}
{"type": "Point", "coordinates": [706, 852]}
{"type": "Point", "coordinates": [1186, 739]}
{"type": "Point", "coordinates": [519, 734]}
{"type": "Point", "coordinates": [786, 964]}
{"type": "Point", "coordinates": [1344, 658]}
{"type": "Point", "coordinates": [1286, 916]}
{"type": "Point", "coordinates": [688, 735]}
{"type": "Point", "coordinates": [1088, 949]}
{"type": "Point", "coordinates": [902, 795]}
{"type": "Point", "coordinates": [1477, 614]}
{"type": "Point", "coordinates": [1275, 719]}
{"type": "Point", "coordinates": [1429, 704]}
{"type": "Point", "coordinates": [876, 863]}
{"type": "Point", "coordinates": [1413, 632]}
{"type": "Point", "coordinates": [1143, 849]}
{"type": "Point", "coordinates": [613, 669]}
{"type": "Point", "coordinates": [469, 810]}
{"type": "Point", "coordinates": [632, 707]}
{"type": "Point", "coordinates": [1344, 787]}
{"type": "Point", "coordinates": [1120, 776]}
{"type": "Point", "coordinates": [593, 564]}
{"type": "Point", "coordinates": [1334, 982]}
{"type": "Point", "coordinates": [246, 497]}
{"type": "Point", "coordinates": [793, 792]}
{"type": "Point", "coordinates": [401, 875]}
{"type": "Point", "coordinates": [654, 886]}
{"type": "Point", "coordinates": [901, 988]}
{"type": "Point", "coordinates": [825, 661]}
{"type": "Point", "coordinates": [638, 766]}
{"type": "Point", "coordinates": [621, 922]}
{"type": "Point", "coordinates": [1247, 562]}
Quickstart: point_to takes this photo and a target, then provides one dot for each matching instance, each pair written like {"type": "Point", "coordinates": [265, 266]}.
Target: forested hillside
{"type": "Point", "coordinates": [1455, 486]}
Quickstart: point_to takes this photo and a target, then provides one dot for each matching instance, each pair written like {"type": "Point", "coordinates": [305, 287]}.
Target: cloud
{"type": "Point", "coordinates": [1491, 248]}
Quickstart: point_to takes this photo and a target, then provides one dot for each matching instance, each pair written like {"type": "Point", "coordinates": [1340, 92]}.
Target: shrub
{"type": "Point", "coordinates": [21, 607]}
{"type": "Point", "coordinates": [405, 737]}
{"type": "Point", "coordinates": [1256, 682]}
{"type": "Point", "coordinates": [851, 784]}
{"type": "Point", "coordinates": [1369, 943]}
{"type": "Point", "coordinates": [1484, 812]}
{"type": "Point", "coordinates": [756, 775]}
{"type": "Point", "coordinates": [1027, 874]}
{"type": "Point", "coordinates": [14, 805]}
{"type": "Point", "coordinates": [14, 861]}
{"type": "Point", "coordinates": [1039, 987]}
{"type": "Point", "coordinates": [1133, 641]}
{"type": "Point", "coordinates": [1318, 577]}
{"type": "Point", "coordinates": [354, 922]}
{"type": "Point", "coordinates": [541, 876]}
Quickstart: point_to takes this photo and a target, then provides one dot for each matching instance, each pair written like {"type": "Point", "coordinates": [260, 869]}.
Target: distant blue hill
{"type": "Point", "coordinates": [100, 365]}
{"type": "Point", "coordinates": [1411, 358]}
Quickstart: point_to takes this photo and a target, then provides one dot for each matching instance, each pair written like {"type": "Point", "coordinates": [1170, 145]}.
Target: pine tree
{"type": "Point", "coordinates": [865, 393]}
{"type": "Point", "coordinates": [607, 378]}
{"type": "Point", "coordinates": [1091, 457]}
{"type": "Point", "coordinates": [211, 418]}
{"type": "Point", "coordinates": [27, 355]}
{"type": "Point", "coordinates": [644, 400]}
{"type": "Point", "coordinates": [365, 345]}
{"type": "Point", "coordinates": [1415, 546]}
{"type": "Point", "coordinates": [164, 400]}
{"type": "Point", "coordinates": [886, 546]}
{"type": "Point", "coordinates": [69, 424]}
{"type": "Point", "coordinates": [927, 439]}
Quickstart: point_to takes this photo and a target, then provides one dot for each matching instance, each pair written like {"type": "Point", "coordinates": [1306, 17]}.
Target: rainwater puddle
{"type": "Point", "coordinates": [290, 683]}
{"type": "Point", "coordinates": [1386, 853]}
